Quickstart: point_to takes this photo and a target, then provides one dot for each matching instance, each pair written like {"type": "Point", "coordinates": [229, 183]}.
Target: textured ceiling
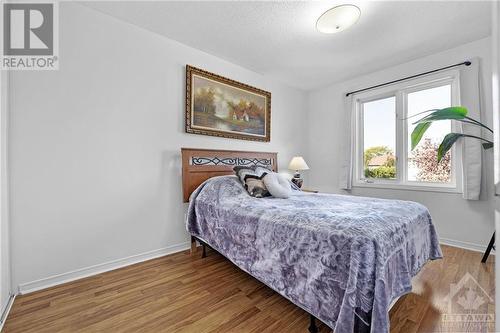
{"type": "Point", "coordinates": [279, 39]}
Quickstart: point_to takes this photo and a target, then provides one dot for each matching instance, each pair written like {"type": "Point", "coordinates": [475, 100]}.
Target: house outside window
{"type": "Point", "coordinates": [384, 122]}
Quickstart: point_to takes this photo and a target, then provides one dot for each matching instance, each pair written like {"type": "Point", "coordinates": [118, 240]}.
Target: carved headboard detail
{"type": "Point", "coordinates": [199, 165]}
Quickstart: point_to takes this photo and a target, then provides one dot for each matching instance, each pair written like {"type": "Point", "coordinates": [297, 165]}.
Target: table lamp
{"type": "Point", "coordinates": [297, 163]}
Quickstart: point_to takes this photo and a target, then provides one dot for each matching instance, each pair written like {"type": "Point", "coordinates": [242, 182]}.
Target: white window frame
{"type": "Point", "coordinates": [400, 91]}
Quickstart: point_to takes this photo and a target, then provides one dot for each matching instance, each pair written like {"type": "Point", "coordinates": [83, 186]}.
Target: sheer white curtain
{"type": "Point", "coordinates": [347, 169]}
{"type": "Point", "coordinates": [470, 97]}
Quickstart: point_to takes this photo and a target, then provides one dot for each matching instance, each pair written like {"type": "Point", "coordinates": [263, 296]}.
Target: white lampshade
{"type": "Point", "coordinates": [298, 163]}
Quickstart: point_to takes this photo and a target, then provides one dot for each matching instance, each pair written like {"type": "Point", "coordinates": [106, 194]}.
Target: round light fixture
{"type": "Point", "coordinates": [338, 18]}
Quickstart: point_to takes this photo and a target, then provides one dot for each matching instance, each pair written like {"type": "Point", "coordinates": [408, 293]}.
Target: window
{"type": "Point", "coordinates": [385, 118]}
{"type": "Point", "coordinates": [379, 138]}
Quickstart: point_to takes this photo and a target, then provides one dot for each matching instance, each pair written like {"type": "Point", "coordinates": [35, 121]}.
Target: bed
{"type": "Point", "coordinates": [341, 258]}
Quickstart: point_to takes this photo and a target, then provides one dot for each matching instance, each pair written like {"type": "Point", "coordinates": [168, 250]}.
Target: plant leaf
{"type": "Point", "coordinates": [447, 143]}
{"type": "Point", "coordinates": [419, 113]}
{"type": "Point", "coordinates": [418, 133]}
{"type": "Point", "coordinates": [453, 112]}
{"type": "Point", "coordinates": [487, 145]}
{"type": "Point", "coordinates": [475, 122]}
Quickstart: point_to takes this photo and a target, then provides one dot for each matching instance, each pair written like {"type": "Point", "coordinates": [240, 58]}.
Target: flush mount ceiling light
{"type": "Point", "coordinates": [338, 18]}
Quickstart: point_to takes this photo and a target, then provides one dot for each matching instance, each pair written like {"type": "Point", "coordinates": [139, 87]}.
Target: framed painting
{"type": "Point", "coordinates": [222, 107]}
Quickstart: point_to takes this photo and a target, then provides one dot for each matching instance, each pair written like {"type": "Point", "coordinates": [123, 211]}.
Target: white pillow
{"type": "Point", "coordinates": [277, 185]}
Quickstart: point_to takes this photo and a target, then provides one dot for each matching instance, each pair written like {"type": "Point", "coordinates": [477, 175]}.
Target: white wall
{"type": "Point", "coordinates": [496, 128]}
{"type": "Point", "coordinates": [5, 286]}
{"type": "Point", "coordinates": [466, 223]}
{"type": "Point", "coordinates": [95, 146]}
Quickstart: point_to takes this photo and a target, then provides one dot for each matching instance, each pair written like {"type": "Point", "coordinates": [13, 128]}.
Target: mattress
{"type": "Point", "coordinates": [342, 258]}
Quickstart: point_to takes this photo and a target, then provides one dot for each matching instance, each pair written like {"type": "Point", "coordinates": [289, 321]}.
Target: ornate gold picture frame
{"type": "Point", "coordinates": [222, 107]}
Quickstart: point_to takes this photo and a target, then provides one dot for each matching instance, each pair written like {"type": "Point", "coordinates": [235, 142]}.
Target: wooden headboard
{"type": "Point", "coordinates": [199, 165]}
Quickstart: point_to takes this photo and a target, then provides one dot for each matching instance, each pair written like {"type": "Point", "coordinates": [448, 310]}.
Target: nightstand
{"type": "Point", "coordinates": [309, 190]}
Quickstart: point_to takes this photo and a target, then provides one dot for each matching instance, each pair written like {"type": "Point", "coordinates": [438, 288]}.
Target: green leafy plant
{"type": "Point", "coordinates": [458, 113]}
{"type": "Point", "coordinates": [386, 170]}
{"type": "Point", "coordinates": [381, 172]}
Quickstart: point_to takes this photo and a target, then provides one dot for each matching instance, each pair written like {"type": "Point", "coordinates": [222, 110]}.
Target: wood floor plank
{"type": "Point", "coordinates": [181, 293]}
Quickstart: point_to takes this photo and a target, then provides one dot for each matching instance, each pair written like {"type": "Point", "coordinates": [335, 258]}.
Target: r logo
{"type": "Point", "coordinates": [28, 29]}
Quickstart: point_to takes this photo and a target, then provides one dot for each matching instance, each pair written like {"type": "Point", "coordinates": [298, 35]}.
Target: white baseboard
{"type": "Point", "coordinates": [465, 245]}
{"type": "Point", "coordinates": [6, 310]}
{"type": "Point", "coordinates": [55, 280]}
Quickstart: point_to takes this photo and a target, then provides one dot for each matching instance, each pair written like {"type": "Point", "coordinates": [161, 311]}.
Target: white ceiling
{"type": "Point", "coordinates": [279, 39]}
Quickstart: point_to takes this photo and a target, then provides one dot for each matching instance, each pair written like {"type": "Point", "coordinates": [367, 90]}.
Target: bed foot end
{"type": "Point", "coordinates": [312, 325]}
{"type": "Point", "coordinates": [203, 250]}
{"type": "Point", "coordinates": [193, 245]}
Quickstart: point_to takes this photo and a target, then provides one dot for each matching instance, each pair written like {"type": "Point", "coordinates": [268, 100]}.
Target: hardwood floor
{"type": "Point", "coordinates": [183, 293]}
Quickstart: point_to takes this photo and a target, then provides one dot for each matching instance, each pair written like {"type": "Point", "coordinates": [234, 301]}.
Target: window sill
{"type": "Point", "coordinates": [421, 188]}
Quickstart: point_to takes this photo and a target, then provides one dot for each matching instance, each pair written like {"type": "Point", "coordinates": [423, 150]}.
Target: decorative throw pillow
{"type": "Point", "coordinates": [251, 178]}
{"type": "Point", "coordinates": [277, 185]}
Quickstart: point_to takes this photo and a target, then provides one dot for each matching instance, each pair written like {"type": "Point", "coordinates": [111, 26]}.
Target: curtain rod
{"type": "Point", "coordinates": [466, 63]}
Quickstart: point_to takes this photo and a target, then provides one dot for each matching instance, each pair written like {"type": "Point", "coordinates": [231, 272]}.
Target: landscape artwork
{"type": "Point", "coordinates": [222, 107]}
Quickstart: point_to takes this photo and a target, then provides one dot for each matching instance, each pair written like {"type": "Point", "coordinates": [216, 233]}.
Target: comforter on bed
{"type": "Point", "coordinates": [336, 256]}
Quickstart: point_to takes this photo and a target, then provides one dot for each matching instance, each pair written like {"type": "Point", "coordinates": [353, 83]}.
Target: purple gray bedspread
{"type": "Point", "coordinates": [338, 257]}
